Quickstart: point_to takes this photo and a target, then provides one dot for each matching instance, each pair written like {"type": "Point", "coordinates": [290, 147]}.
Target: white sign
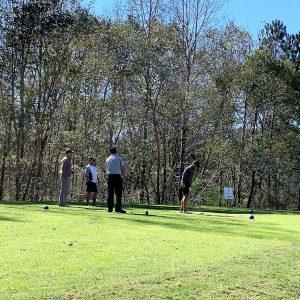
{"type": "Point", "coordinates": [228, 193]}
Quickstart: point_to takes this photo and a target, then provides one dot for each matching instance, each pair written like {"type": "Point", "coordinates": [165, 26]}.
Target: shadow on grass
{"type": "Point", "coordinates": [75, 211]}
{"type": "Point", "coordinates": [215, 226]}
{"type": "Point", "coordinates": [231, 210]}
{"type": "Point", "coordinates": [212, 209]}
{"type": "Point", "coordinates": [218, 222]}
{"type": "Point", "coordinates": [7, 219]}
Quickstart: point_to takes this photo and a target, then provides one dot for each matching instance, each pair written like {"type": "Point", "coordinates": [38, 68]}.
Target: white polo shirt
{"type": "Point", "coordinates": [94, 172]}
{"type": "Point", "coordinates": [113, 164]}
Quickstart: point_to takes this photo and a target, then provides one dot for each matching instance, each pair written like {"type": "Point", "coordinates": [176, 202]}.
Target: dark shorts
{"type": "Point", "coordinates": [91, 187]}
{"type": "Point", "coordinates": [186, 189]}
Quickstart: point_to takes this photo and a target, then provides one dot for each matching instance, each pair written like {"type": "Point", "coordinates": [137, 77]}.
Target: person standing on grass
{"type": "Point", "coordinates": [186, 183]}
{"type": "Point", "coordinates": [115, 172]}
{"type": "Point", "coordinates": [91, 177]}
{"type": "Point", "coordinates": [66, 173]}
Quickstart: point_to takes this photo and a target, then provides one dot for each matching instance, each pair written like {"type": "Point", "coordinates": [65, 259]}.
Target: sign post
{"type": "Point", "coordinates": [228, 194]}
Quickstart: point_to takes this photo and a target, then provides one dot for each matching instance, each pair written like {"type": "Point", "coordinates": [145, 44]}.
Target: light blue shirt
{"type": "Point", "coordinates": [114, 164]}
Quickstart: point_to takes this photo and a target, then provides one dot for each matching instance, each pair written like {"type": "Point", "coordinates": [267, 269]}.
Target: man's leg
{"type": "Point", "coordinates": [185, 200]}
{"type": "Point", "coordinates": [184, 194]}
{"type": "Point", "coordinates": [87, 198]}
{"type": "Point", "coordinates": [119, 190]}
{"type": "Point", "coordinates": [182, 199]}
{"type": "Point", "coordinates": [94, 198]}
{"type": "Point", "coordinates": [110, 195]}
{"type": "Point", "coordinates": [63, 191]}
{"type": "Point", "coordinates": [68, 187]}
{"type": "Point", "coordinates": [180, 194]}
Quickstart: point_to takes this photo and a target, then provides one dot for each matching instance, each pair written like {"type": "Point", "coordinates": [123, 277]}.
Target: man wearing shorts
{"type": "Point", "coordinates": [91, 176]}
{"type": "Point", "coordinates": [186, 182]}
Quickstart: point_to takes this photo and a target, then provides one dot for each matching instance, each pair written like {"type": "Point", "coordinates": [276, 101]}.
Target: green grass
{"type": "Point", "coordinates": [87, 253]}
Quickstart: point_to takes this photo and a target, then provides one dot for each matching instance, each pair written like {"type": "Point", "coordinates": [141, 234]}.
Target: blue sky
{"type": "Point", "coordinates": [251, 14]}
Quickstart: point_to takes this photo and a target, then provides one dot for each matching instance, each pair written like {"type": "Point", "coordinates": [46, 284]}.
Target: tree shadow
{"type": "Point", "coordinates": [231, 210]}
{"type": "Point", "coordinates": [234, 228]}
{"type": "Point", "coordinates": [77, 211]}
{"type": "Point", "coordinates": [212, 209]}
{"type": "Point", "coordinates": [7, 219]}
{"type": "Point", "coordinates": [219, 221]}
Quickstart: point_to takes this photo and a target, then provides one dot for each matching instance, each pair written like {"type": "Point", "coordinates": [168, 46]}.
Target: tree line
{"type": "Point", "coordinates": [163, 83]}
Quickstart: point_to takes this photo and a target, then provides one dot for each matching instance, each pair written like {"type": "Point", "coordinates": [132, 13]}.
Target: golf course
{"type": "Point", "coordinates": [81, 252]}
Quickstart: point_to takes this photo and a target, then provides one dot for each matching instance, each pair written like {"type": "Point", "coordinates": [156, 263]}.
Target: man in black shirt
{"type": "Point", "coordinates": [186, 182]}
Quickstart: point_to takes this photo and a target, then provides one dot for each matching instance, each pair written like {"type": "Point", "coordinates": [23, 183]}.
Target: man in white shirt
{"type": "Point", "coordinates": [115, 171]}
{"type": "Point", "coordinates": [91, 176]}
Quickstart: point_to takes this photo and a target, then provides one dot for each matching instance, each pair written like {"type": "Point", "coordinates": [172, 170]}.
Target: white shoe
{"type": "Point", "coordinates": [186, 211]}
{"type": "Point", "coordinates": [181, 210]}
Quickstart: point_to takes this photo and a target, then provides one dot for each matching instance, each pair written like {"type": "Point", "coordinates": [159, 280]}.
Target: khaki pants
{"type": "Point", "coordinates": [65, 184]}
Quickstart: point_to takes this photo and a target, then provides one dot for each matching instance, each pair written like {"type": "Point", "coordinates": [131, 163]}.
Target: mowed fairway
{"type": "Point", "coordinates": [82, 252]}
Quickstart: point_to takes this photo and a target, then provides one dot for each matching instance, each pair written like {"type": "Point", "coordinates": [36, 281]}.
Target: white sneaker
{"type": "Point", "coordinates": [181, 210]}
{"type": "Point", "coordinates": [186, 211]}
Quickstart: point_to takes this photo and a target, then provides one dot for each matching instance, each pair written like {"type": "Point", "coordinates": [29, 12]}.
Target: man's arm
{"type": "Point", "coordinates": [123, 170]}
{"type": "Point", "coordinates": [185, 175]}
{"type": "Point", "coordinates": [104, 169]}
{"type": "Point", "coordinates": [87, 174]}
{"type": "Point", "coordinates": [64, 165]}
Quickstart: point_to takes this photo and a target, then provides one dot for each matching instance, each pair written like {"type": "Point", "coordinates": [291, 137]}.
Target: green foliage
{"type": "Point", "coordinates": [160, 90]}
{"type": "Point", "coordinates": [213, 197]}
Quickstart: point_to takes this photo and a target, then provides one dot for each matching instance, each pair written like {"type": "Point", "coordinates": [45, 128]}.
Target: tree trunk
{"type": "Point", "coordinates": [241, 160]}
{"type": "Point", "coordinates": [299, 196]}
{"type": "Point", "coordinates": [221, 187]}
{"type": "Point", "coordinates": [3, 166]}
{"type": "Point", "coordinates": [143, 171]}
{"type": "Point", "coordinates": [20, 133]}
{"type": "Point", "coordinates": [158, 155]}
{"type": "Point", "coordinates": [251, 194]}
{"type": "Point", "coordinates": [164, 170]}
{"type": "Point", "coordinates": [39, 193]}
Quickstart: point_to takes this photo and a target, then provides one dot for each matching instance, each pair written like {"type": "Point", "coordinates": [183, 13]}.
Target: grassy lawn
{"type": "Point", "coordinates": [82, 252]}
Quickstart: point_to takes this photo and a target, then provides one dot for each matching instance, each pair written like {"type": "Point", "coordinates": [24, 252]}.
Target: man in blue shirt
{"type": "Point", "coordinates": [115, 171]}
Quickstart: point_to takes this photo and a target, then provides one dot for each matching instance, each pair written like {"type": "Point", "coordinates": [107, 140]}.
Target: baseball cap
{"type": "Point", "coordinates": [68, 150]}
{"type": "Point", "coordinates": [196, 163]}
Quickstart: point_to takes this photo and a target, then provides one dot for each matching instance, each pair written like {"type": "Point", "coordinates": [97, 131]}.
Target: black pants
{"type": "Point", "coordinates": [115, 186]}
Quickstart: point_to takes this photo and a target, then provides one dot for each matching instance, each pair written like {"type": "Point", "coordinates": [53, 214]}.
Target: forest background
{"type": "Point", "coordinates": [162, 81]}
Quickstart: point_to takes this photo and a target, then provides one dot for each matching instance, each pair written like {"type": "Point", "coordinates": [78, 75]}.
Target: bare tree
{"type": "Point", "coordinates": [193, 18]}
